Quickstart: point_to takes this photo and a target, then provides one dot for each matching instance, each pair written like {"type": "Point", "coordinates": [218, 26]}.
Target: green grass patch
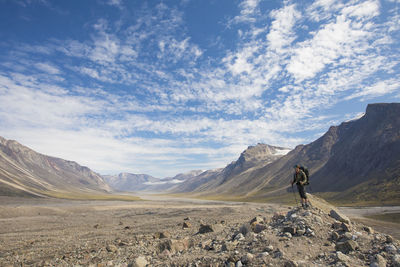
{"type": "Point", "coordinates": [387, 217]}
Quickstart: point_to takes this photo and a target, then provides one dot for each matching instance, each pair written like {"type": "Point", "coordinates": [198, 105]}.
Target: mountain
{"type": "Point", "coordinates": [236, 177]}
{"type": "Point", "coordinates": [357, 161]}
{"type": "Point", "coordinates": [129, 182]}
{"type": "Point", "coordinates": [24, 172]}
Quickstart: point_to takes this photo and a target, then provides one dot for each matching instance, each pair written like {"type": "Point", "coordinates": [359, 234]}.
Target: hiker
{"type": "Point", "coordinates": [300, 179]}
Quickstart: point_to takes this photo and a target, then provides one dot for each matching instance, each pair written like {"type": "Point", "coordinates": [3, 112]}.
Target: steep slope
{"type": "Point", "coordinates": [26, 172]}
{"type": "Point", "coordinates": [235, 177]}
{"type": "Point", "coordinates": [356, 161]}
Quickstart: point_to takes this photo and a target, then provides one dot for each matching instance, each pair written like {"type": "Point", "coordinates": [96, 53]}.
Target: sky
{"type": "Point", "coordinates": [162, 87]}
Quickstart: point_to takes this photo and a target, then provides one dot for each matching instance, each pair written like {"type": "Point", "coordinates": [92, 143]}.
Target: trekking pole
{"type": "Point", "coordinates": [295, 198]}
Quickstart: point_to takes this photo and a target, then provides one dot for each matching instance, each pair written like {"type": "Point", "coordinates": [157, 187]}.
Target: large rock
{"type": "Point", "coordinates": [161, 235]}
{"type": "Point", "coordinates": [346, 246]}
{"type": "Point", "coordinates": [205, 228]}
{"type": "Point", "coordinates": [338, 216]}
{"type": "Point", "coordinates": [396, 260]}
{"type": "Point", "coordinates": [174, 245]}
{"type": "Point", "coordinates": [139, 262]}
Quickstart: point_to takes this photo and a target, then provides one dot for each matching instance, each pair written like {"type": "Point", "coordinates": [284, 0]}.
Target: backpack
{"type": "Point", "coordinates": [307, 173]}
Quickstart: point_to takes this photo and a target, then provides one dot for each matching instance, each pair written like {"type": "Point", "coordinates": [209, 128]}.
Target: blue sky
{"type": "Point", "coordinates": [164, 87]}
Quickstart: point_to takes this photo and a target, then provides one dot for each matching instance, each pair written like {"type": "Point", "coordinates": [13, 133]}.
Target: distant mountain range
{"type": "Point", "coordinates": [24, 172]}
{"type": "Point", "coordinates": [358, 161]}
{"type": "Point", "coordinates": [142, 182]}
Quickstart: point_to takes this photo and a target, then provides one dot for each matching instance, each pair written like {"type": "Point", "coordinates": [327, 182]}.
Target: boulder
{"type": "Point", "coordinates": [379, 261]}
{"type": "Point", "coordinates": [174, 245]}
{"type": "Point", "coordinates": [139, 262]}
{"type": "Point", "coordinates": [396, 260]}
{"type": "Point", "coordinates": [368, 229]}
{"type": "Point", "coordinates": [290, 263]}
{"type": "Point", "coordinates": [257, 219]}
{"type": "Point", "coordinates": [289, 229]}
{"type": "Point", "coordinates": [258, 228]}
{"type": "Point", "coordinates": [111, 248]}
{"type": "Point", "coordinates": [346, 246]}
{"type": "Point", "coordinates": [205, 228]}
{"type": "Point", "coordinates": [342, 257]}
{"type": "Point", "coordinates": [346, 227]}
{"type": "Point", "coordinates": [186, 225]}
{"type": "Point", "coordinates": [338, 216]}
{"type": "Point", "coordinates": [247, 258]}
{"type": "Point", "coordinates": [161, 235]}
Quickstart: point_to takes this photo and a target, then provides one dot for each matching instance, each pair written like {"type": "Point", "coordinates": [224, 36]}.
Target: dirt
{"type": "Point", "coordinates": [49, 232]}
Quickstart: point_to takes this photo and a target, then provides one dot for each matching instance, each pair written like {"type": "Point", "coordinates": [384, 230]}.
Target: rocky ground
{"type": "Point", "coordinates": [186, 233]}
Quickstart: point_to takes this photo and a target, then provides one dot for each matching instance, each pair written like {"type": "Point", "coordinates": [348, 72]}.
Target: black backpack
{"type": "Point", "coordinates": [307, 173]}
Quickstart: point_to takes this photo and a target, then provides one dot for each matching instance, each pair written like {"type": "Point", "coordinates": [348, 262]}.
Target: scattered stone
{"type": "Point", "coordinates": [186, 225]}
{"type": "Point", "coordinates": [346, 227]}
{"type": "Point", "coordinates": [300, 232]}
{"type": "Point", "coordinates": [187, 219]}
{"type": "Point", "coordinates": [174, 246]}
{"type": "Point", "coordinates": [290, 263]}
{"type": "Point", "coordinates": [247, 258]}
{"type": "Point", "coordinates": [258, 228]}
{"type": "Point", "coordinates": [335, 236]}
{"type": "Point", "coordinates": [287, 234]}
{"type": "Point", "coordinates": [161, 235]}
{"type": "Point", "coordinates": [342, 257]}
{"type": "Point", "coordinates": [368, 229]}
{"type": "Point", "coordinates": [390, 249]}
{"type": "Point", "coordinates": [139, 262]}
{"type": "Point", "coordinates": [205, 228]}
{"type": "Point", "coordinates": [239, 237]}
{"type": "Point", "coordinates": [238, 264]}
{"type": "Point", "coordinates": [389, 239]}
{"type": "Point", "coordinates": [290, 230]}
{"type": "Point", "coordinates": [379, 261]}
{"type": "Point", "coordinates": [257, 219]}
{"type": "Point", "coordinates": [111, 248]}
{"type": "Point", "coordinates": [346, 246]}
{"type": "Point", "coordinates": [396, 260]}
{"type": "Point", "coordinates": [96, 226]}
{"type": "Point", "coordinates": [245, 229]}
{"type": "Point", "coordinates": [338, 216]}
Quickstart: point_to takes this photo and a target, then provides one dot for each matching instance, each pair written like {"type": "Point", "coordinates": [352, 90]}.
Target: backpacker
{"type": "Point", "coordinates": [307, 173]}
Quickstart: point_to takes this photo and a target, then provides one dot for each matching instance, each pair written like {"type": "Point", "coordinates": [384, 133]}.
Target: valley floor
{"type": "Point", "coordinates": [48, 232]}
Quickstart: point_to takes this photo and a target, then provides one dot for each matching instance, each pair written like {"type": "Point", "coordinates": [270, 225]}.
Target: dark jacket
{"type": "Point", "coordinates": [299, 178]}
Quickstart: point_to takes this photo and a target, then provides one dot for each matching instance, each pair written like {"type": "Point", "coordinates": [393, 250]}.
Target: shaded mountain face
{"type": "Point", "coordinates": [28, 173]}
{"type": "Point", "coordinates": [143, 182]}
{"type": "Point", "coordinates": [357, 160]}
{"type": "Point", "coordinates": [237, 176]}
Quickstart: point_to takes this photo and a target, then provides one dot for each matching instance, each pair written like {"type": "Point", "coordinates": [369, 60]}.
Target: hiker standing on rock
{"type": "Point", "coordinates": [300, 179]}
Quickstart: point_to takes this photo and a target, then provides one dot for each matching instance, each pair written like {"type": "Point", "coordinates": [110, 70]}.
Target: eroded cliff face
{"type": "Point", "coordinates": [24, 170]}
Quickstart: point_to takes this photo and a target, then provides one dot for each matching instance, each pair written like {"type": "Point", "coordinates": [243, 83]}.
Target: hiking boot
{"type": "Point", "coordinates": [303, 206]}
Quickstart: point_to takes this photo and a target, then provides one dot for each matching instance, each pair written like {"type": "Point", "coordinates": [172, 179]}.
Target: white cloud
{"type": "Point", "coordinates": [47, 67]}
{"type": "Point", "coordinates": [380, 88]}
{"type": "Point", "coordinates": [282, 33]}
{"type": "Point", "coordinates": [342, 38]}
